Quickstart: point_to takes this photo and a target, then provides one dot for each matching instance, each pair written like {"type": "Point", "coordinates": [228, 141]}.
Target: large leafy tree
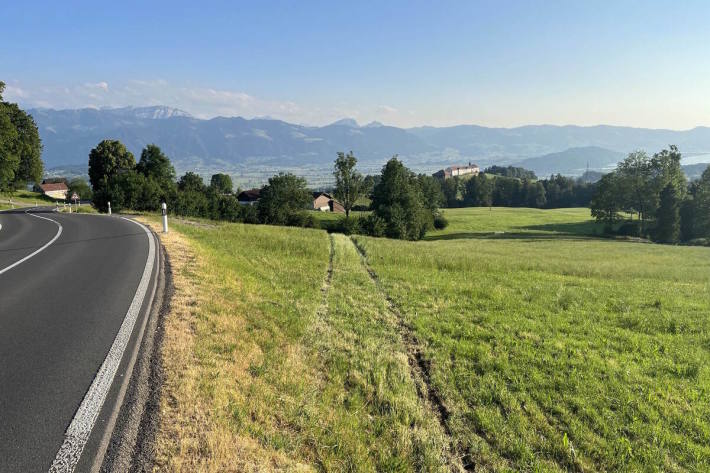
{"type": "Point", "coordinates": [666, 170]}
{"type": "Point", "coordinates": [478, 191]}
{"type": "Point", "coordinates": [636, 186]}
{"type": "Point", "coordinates": [221, 183]}
{"type": "Point", "coordinates": [702, 205]}
{"type": "Point", "coordinates": [9, 149]}
{"type": "Point", "coordinates": [154, 164]}
{"type": "Point", "coordinates": [349, 186]}
{"type": "Point", "coordinates": [606, 201]}
{"type": "Point", "coordinates": [668, 215]}
{"type": "Point", "coordinates": [109, 158]}
{"type": "Point", "coordinates": [431, 191]}
{"type": "Point", "coordinates": [284, 196]}
{"type": "Point", "coordinates": [398, 201]}
{"type": "Point", "coordinates": [191, 182]}
{"type": "Point", "coordinates": [28, 147]}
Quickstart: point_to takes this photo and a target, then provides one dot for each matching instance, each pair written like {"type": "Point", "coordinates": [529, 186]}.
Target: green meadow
{"type": "Point", "coordinates": [512, 340]}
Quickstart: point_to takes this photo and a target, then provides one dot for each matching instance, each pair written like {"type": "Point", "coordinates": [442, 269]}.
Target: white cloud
{"type": "Point", "coordinates": [201, 102]}
{"type": "Point", "coordinates": [387, 109]}
{"type": "Point", "coordinates": [99, 85]}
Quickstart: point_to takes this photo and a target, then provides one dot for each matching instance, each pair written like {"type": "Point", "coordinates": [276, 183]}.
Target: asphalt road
{"type": "Point", "coordinates": [72, 294]}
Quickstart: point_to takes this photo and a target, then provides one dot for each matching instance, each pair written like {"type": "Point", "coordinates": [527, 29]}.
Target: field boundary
{"type": "Point", "coordinates": [420, 368]}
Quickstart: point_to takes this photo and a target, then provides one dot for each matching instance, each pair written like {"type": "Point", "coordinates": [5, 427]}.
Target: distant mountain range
{"type": "Point", "coordinates": [239, 145]}
{"type": "Point", "coordinates": [573, 161]}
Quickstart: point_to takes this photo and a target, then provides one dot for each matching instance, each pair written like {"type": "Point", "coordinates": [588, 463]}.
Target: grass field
{"type": "Point", "coordinates": [511, 341]}
{"type": "Point", "coordinates": [23, 199]}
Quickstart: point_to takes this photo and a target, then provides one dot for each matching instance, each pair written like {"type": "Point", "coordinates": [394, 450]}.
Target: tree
{"type": "Point", "coordinates": [108, 159]}
{"type": "Point", "coordinates": [157, 166]}
{"type": "Point", "coordinates": [635, 185]}
{"type": "Point", "coordinates": [431, 191]}
{"type": "Point", "coordinates": [606, 201]}
{"type": "Point", "coordinates": [284, 196]}
{"type": "Point", "coordinates": [28, 147]}
{"type": "Point", "coordinates": [478, 191]}
{"type": "Point", "coordinates": [666, 169]}
{"type": "Point", "coordinates": [668, 216]}
{"type": "Point", "coordinates": [9, 160]}
{"type": "Point", "coordinates": [81, 188]}
{"type": "Point", "coordinates": [348, 182]}
{"type": "Point", "coordinates": [399, 203]}
{"type": "Point", "coordinates": [191, 182]}
{"type": "Point", "coordinates": [221, 183]}
{"type": "Point", "coordinates": [451, 187]}
{"type": "Point", "coordinates": [702, 205]}
{"type": "Point", "coordinates": [511, 171]}
{"type": "Point", "coordinates": [534, 194]}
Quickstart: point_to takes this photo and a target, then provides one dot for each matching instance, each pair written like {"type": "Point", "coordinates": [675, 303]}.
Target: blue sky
{"type": "Point", "coordinates": [405, 63]}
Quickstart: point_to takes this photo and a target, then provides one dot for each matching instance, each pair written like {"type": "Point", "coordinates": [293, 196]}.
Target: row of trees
{"type": "Point", "coordinates": [654, 189]}
{"type": "Point", "coordinates": [404, 205]}
{"type": "Point", "coordinates": [20, 147]}
{"type": "Point", "coordinates": [486, 190]}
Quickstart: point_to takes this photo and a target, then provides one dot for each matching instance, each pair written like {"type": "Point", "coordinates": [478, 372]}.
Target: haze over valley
{"type": "Point", "coordinates": [254, 149]}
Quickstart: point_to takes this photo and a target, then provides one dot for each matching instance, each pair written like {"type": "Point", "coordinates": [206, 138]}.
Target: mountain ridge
{"type": "Point", "coordinates": [229, 143]}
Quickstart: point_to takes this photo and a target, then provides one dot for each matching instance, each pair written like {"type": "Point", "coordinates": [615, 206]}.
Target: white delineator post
{"type": "Point", "coordinates": [109, 208]}
{"type": "Point", "coordinates": [165, 217]}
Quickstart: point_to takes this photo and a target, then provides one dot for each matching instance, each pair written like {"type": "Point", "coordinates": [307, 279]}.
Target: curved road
{"type": "Point", "coordinates": [73, 291]}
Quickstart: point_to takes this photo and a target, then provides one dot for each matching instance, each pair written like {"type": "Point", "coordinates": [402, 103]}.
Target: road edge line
{"type": "Point", "coordinates": [130, 376]}
{"type": "Point", "coordinates": [79, 430]}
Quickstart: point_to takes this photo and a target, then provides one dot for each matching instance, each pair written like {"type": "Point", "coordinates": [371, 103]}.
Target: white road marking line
{"type": "Point", "coordinates": [59, 232]}
{"type": "Point", "coordinates": [83, 422]}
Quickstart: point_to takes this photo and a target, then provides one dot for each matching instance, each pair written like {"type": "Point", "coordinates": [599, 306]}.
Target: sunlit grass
{"type": "Point", "coordinates": [551, 350]}
{"type": "Point", "coordinates": [557, 355]}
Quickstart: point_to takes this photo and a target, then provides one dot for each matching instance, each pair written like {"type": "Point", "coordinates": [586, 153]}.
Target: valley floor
{"type": "Point", "coordinates": [511, 341]}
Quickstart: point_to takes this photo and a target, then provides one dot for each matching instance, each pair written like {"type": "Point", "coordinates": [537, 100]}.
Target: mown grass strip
{"type": "Point", "coordinates": [266, 370]}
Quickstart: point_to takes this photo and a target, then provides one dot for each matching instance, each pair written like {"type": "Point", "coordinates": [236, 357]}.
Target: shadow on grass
{"type": "Point", "coordinates": [550, 231]}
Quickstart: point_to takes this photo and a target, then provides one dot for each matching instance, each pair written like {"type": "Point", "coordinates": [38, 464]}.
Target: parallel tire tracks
{"type": "Point", "coordinates": [420, 369]}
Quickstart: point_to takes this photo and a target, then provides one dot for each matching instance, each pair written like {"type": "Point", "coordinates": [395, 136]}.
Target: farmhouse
{"type": "Point", "coordinates": [453, 171]}
{"type": "Point", "coordinates": [249, 197]}
{"type": "Point", "coordinates": [55, 190]}
{"type": "Point", "coordinates": [326, 203]}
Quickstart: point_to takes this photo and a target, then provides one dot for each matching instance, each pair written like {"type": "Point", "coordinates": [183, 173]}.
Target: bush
{"type": "Point", "coordinates": [300, 219]}
{"type": "Point", "coordinates": [349, 225]}
{"type": "Point", "coordinates": [632, 229]}
{"type": "Point", "coordinates": [249, 214]}
{"type": "Point", "coordinates": [373, 225]}
{"type": "Point", "coordinates": [699, 242]}
{"type": "Point", "coordinates": [440, 222]}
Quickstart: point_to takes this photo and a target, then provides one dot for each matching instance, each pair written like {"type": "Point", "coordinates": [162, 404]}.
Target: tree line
{"type": "Point", "coordinates": [404, 205]}
{"type": "Point", "coordinates": [655, 191]}
{"type": "Point", "coordinates": [20, 147]}
{"type": "Point", "coordinates": [487, 189]}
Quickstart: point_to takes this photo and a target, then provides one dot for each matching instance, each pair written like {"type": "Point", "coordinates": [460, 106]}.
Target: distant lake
{"type": "Point", "coordinates": [695, 159]}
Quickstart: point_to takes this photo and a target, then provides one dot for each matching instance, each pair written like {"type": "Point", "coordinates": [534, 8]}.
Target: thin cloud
{"type": "Point", "coordinates": [201, 102]}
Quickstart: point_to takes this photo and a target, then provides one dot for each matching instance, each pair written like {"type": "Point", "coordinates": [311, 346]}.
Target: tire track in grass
{"type": "Point", "coordinates": [420, 369]}
{"type": "Point", "coordinates": [328, 279]}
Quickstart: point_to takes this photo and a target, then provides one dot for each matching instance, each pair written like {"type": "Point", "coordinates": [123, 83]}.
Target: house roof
{"type": "Point", "coordinates": [249, 195]}
{"type": "Point", "coordinates": [470, 166]}
{"type": "Point", "coordinates": [318, 194]}
{"type": "Point", "coordinates": [58, 186]}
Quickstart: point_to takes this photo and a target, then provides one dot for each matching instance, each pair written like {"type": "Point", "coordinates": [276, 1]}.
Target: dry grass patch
{"type": "Point", "coordinates": [266, 371]}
